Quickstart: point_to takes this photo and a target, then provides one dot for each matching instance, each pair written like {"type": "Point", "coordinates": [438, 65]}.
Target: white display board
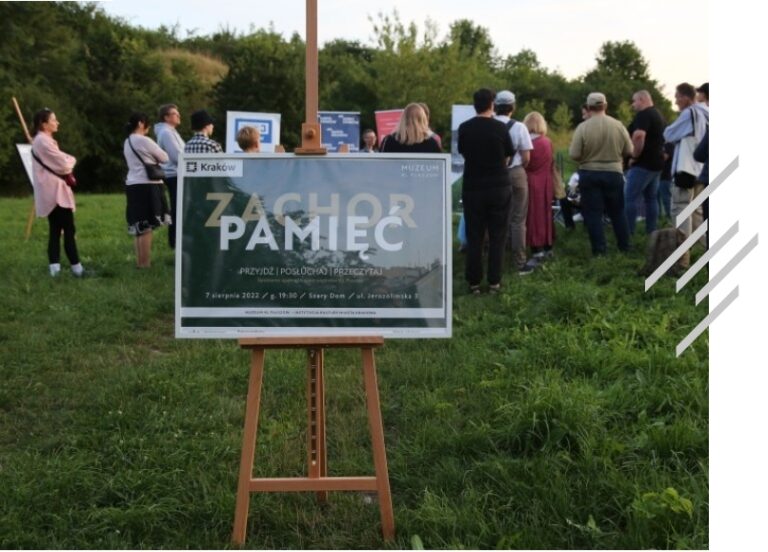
{"type": "Point", "coordinates": [25, 152]}
{"type": "Point", "coordinates": [268, 125]}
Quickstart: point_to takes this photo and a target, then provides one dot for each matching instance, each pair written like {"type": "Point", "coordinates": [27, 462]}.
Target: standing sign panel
{"type": "Point", "coordinates": [268, 125]}
{"type": "Point", "coordinates": [386, 122]}
{"type": "Point", "coordinates": [279, 245]}
{"type": "Point", "coordinates": [459, 114]}
{"type": "Point", "coordinates": [340, 127]}
{"type": "Point", "coordinates": [25, 152]}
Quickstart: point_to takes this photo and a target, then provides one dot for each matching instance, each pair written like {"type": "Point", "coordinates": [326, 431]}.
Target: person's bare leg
{"type": "Point", "coordinates": [143, 249]}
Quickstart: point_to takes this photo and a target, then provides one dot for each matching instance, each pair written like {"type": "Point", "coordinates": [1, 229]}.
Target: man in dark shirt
{"type": "Point", "coordinates": [486, 190]}
{"type": "Point", "coordinates": [647, 162]}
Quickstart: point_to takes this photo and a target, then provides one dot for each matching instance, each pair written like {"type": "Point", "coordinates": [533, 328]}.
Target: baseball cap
{"type": "Point", "coordinates": [596, 98]}
{"type": "Point", "coordinates": [505, 97]}
{"type": "Point", "coordinates": [200, 119]}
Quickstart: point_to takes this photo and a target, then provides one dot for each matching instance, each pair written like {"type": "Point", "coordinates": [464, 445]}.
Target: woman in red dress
{"type": "Point", "coordinates": [539, 224]}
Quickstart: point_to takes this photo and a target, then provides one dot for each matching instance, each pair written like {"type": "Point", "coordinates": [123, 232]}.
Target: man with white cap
{"type": "Point", "coordinates": [600, 144]}
{"type": "Point", "coordinates": [504, 107]}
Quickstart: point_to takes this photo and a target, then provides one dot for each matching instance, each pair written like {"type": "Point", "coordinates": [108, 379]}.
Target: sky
{"type": "Point", "coordinates": [565, 34]}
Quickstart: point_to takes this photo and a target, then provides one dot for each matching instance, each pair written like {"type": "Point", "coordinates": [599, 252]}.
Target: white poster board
{"type": "Point", "coordinates": [459, 114]}
{"type": "Point", "coordinates": [268, 125]}
{"type": "Point", "coordinates": [25, 152]}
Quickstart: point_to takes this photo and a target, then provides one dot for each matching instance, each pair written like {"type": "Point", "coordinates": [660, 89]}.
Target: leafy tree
{"type": "Point", "coordinates": [346, 79]}
{"type": "Point", "coordinates": [621, 71]}
{"type": "Point", "coordinates": [411, 66]}
{"type": "Point", "coordinates": [563, 118]}
{"type": "Point", "coordinates": [624, 113]}
{"type": "Point", "coordinates": [266, 73]}
{"type": "Point", "coordinates": [474, 42]}
{"type": "Point", "coordinates": [523, 74]}
{"type": "Point", "coordinates": [535, 104]}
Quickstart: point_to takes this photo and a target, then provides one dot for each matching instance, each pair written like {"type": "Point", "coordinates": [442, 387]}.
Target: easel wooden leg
{"type": "Point", "coordinates": [377, 439]}
{"type": "Point", "coordinates": [317, 459]}
{"type": "Point", "coordinates": [249, 445]}
{"type": "Point", "coordinates": [30, 220]}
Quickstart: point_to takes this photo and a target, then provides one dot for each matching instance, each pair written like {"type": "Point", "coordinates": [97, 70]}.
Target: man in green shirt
{"type": "Point", "coordinates": [599, 145]}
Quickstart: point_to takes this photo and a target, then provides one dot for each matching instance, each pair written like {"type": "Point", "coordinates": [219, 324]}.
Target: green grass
{"type": "Point", "coordinates": [556, 417]}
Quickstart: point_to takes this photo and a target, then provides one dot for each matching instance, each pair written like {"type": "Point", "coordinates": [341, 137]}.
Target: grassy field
{"type": "Point", "coordinates": [556, 417]}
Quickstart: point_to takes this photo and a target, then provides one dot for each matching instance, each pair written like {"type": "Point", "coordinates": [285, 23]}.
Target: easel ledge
{"type": "Point", "coordinates": [311, 342]}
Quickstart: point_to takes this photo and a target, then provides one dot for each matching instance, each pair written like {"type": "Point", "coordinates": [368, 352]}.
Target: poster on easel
{"type": "Point", "coordinates": [279, 245]}
{"type": "Point", "coordinates": [268, 125]}
{"type": "Point", "coordinates": [339, 128]}
{"type": "Point", "coordinates": [25, 153]}
{"type": "Point", "coordinates": [386, 122]}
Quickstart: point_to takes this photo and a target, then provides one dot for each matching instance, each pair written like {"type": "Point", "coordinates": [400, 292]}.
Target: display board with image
{"type": "Point", "coordinates": [284, 245]}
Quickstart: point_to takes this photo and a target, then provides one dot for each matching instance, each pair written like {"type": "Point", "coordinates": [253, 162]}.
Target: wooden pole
{"type": "Point", "coordinates": [311, 143]}
{"type": "Point", "coordinates": [311, 66]}
{"type": "Point", "coordinates": [31, 217]}
{"type": "Point", "coordinates": [21, 119]}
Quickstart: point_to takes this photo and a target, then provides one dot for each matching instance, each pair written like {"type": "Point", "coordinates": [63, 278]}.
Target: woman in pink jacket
{"type": "Point", "coordinates": [53, 198]}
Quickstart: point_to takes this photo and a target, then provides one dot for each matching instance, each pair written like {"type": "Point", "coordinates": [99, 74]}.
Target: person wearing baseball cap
{"type": "Point", "coordinates": [599, 145]}
{"type": "Point", "coordinates": [202, 125]}
{"type": "Point", "coordinates": [504, 107]}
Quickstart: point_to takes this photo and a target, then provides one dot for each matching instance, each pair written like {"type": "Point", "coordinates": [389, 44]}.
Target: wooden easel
{"type": "Point", "coordinates": [28, 136]}
{"type": "Point", "coordinates": [317, 479]}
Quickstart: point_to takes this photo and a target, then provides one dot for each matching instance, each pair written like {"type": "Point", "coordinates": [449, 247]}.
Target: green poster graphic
{"type": "Point", "coordinates": [283, 245]}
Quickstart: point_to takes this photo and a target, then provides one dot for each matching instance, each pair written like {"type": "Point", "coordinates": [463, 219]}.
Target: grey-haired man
{"type": "Point", "coordinates": [170, 141]}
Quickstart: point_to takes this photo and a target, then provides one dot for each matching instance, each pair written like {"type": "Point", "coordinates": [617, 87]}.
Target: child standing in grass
{"type": "Point", "coordinates": [53, 198]}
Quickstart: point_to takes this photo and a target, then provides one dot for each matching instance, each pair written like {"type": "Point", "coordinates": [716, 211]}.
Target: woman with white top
{"type": "Point", "coordinates": [53, 198]}
{"type": "Point", "coordinates": [146, 208]}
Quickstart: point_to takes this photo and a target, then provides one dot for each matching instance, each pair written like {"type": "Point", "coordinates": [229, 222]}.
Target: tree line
{"type": "Point", "coordinates": [93, 70]}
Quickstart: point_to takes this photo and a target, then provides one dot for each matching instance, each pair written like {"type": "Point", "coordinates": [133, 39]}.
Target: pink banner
{"type": "Point", "coordinates": [386, 122]}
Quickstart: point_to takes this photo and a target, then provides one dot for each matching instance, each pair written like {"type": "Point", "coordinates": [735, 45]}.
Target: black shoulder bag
{"type": "Point", "coordinates": [154, 171]}
{"type": "Point", "coordinates": [69, 179]}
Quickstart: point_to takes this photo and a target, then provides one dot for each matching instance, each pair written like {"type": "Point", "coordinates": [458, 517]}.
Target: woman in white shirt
{"type": "Point", "coordinates": [147, 208]}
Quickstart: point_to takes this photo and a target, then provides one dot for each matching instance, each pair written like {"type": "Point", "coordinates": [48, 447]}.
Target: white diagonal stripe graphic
{"type": "Point", "coordinates": [706, 192]}
{"type": "Point", "coordinates": [704, 324]}
{"type": "Point", "coordinates": [707, 256]}
{"type": "Point", "coordinates": [673, 258]}
{"type": "Point", "coordinates": [703, 292]}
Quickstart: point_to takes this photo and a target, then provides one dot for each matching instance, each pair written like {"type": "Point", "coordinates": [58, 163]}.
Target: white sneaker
{"type": "Point", "coordinates": [55, 269]}
{"type": "Point", "coordinates": [577, 217]}
{"type": "Point", "coordinates": [77, 270]}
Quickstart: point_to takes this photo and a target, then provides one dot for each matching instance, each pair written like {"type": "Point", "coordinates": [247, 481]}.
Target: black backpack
{"type": "Point", "coordinates": [510, 124]}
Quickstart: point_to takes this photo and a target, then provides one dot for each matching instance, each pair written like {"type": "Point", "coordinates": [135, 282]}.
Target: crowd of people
{"type": "Point", "coordinates": [510, 190]}
{"type": "Point", "coordinates": [510, 179]}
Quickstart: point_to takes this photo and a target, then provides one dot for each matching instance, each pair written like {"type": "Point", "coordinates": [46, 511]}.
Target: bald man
{"type": "Point", "coordinates": [646, 163]}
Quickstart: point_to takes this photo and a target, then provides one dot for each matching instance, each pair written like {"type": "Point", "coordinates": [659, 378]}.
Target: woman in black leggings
{"type": "Point", "coordinates": [53, 197]}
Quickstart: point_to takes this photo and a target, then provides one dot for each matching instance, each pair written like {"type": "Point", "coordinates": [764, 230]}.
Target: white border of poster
{"type": "Point", "coordinates": [267, 123]}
